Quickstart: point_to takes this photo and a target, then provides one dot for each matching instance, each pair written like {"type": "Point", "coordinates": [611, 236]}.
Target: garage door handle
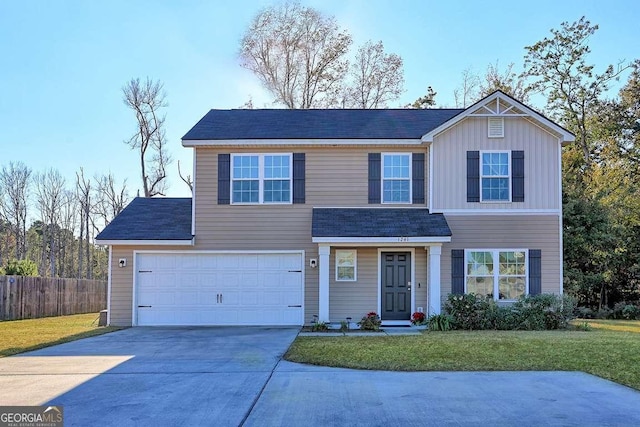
{"type": "Point", "coordinates": [297, 306]}
{"type": "Point", "coordinates": [295, 271]}
{"type": "Point", "coordinates": [144, 306]}
{"type": "Point", "coordinates": [145, 271]}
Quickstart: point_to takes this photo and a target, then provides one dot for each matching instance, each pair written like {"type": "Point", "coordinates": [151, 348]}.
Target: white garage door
{"type": "Point", "coordinates": [219, 289]}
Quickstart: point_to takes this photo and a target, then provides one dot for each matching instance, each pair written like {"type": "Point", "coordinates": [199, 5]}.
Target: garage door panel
{"type": "Point", "coordinates": [219, 289]}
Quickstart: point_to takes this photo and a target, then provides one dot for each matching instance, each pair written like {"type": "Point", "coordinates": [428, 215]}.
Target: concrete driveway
{"type": "Point", "coordinates": [234, 376]}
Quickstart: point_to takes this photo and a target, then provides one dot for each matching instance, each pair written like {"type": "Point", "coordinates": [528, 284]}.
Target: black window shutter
{"type": "Point", "coordinates": [517, 176]}
{"type": "Point", "coordinates": [473, 176]}
{"type": "Point", "coordinates": [298, 177]}
{"type": "Point", "coordinates": [535, 271]}
{"type": "Point", "coordinates": [457, 271]}
{"type": "Point", "coordinates": [224, 179]}
{"type": "Point", "coordinates": [374, 178]}
{"type": "Point", "coordinates": [418, 178]}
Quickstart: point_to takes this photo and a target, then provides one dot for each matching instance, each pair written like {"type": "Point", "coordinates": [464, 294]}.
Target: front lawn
{"type": "Point", "coordinates": [609, 354]}
{"type": "Point", "coordinates": [18, 336]}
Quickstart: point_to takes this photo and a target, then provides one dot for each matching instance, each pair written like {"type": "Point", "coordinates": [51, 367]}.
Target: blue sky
{"type": "Point", "coordinates": [64, 63]}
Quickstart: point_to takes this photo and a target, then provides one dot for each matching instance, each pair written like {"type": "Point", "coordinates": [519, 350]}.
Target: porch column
{"type": "Point", "coordinates": [434, 279]}
{"type": "Point", "coordinates": [323, 283]}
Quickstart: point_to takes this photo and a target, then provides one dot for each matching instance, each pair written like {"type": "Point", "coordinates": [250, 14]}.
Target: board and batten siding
{"type": "Point", "coordinates": [541, 163]}
{"type": "Point", "coordinates": [356, 299]}
{"type": "Point", "coordinates": [506, 232]}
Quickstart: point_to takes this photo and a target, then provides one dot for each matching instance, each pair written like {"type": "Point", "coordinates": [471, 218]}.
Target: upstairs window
{"type": "Point", "coordinates": [261, 178]}
{"type": "Point", "coordinates": [396, 178]}
{"type": "Point", "coordinates": [495, 175]}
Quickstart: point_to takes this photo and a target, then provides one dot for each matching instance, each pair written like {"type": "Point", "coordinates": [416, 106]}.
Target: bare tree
{"type": "Point", "coordinates": [298, 54]}
{"type": "Point", "coordinates": [15, 181]}
{"type": "Point", "coordinates": [508, 82]}
{"type": "Point", "coordinates": [146, 99]}
{"type": "Point", "coordinates": [467, 93]}
{"type": "Point", "coordinates": [377, 77]}
{"type": "Point", "coordinates": [83, 191]}
{"type": "Point", "coordinates": [110, 199]}
{"type": "Point", "coordinates": [186, 178]}
{"type": "Point", "coordinates": [50, 188]}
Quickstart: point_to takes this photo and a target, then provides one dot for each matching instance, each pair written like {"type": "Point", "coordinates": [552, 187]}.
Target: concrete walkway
{"type": "Point", "coordinates": [235, 376]}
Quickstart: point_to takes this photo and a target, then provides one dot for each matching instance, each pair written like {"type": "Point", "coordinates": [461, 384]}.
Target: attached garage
{"type": "Point", "coordinates": [216, 288]}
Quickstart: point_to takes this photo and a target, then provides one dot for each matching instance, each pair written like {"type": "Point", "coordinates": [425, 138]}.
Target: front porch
{"type": "Point", "coordinates": [376, 259]}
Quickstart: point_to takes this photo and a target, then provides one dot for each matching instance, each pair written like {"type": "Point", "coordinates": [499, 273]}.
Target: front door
{"type": "Point", "coordinates": [396, 285]}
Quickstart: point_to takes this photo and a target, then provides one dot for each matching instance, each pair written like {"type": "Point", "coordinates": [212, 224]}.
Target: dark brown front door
{"type": "Point", "coordinates": [396, 278]}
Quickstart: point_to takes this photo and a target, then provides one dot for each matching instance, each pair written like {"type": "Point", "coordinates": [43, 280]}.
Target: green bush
{"type": "Point", "coordinates": [23, 267]}
{"type": "Point", "coordinates": [626, 311]}
{"type": "Point", "coordinates": [440, 322]}
{"type": "Point", "coordinates": [537, 312]}
{"type": "Point", "coordinates": [544, 311]}
{"type": "Point", "coordinates": [370, 322]}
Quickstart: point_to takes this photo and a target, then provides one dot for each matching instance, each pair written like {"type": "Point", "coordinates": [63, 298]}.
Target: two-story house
{"type": "Point", "coordinates": [337, 213]}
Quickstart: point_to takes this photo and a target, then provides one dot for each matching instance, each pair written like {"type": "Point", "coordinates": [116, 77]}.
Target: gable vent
{"type": "Point", "coordinates": [496, 127]}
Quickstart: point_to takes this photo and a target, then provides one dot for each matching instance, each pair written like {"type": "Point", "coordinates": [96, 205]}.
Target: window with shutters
{"type": "Point", "coordinates": [261, 178]}
{"type": "Point", "coordinates": [495, 176]}
{"type": "Point", "coordinates": [396, 177]}
{"type": "Point", "coordinates": [500, 274]}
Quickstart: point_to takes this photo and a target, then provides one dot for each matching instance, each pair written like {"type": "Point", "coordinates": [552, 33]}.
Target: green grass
{"type": "Point", "coordinates": [611, 325]}
{"type": "Point", "coordinates": [609, 354]}
{"type": "Point", "coordinates": [18, 336]}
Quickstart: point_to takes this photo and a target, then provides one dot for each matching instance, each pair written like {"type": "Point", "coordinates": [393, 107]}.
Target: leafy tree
{"type": "Point", "coordinates": [508, 82]}
{"type": "Point", "coordinates": [23, 267]}
{"type": "Point", "coordinates": [426, 101]}
{"type": "Point", "coordinates": [377, 77]}
{"type": "Point", "coordinates": [146, 99]}
{"type": "Point", "coordinates": [559, 69]}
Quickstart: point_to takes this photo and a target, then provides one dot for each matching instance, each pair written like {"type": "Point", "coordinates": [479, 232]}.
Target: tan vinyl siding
{"type": "Point", "coordinates": [334, 177]}
{"type": "Point", "coordinates": [122, 282]}
{"type": "Point", "coordinates": [355, 299]}
{"type": "Point", "coordinates": [506, 232]}
{"type": "Point", "coordinates": [541, 163]}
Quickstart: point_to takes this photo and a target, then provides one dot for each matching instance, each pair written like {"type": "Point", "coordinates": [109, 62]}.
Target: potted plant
{"type": "Point", "coordinates": [419, 320]}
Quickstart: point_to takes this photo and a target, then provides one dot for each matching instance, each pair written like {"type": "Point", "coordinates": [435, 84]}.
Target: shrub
{"type": "Point", "coordinates": [544, 311]}
{"type": "Point", "coordinates": [585, 313]}
{"type": "Point", "coordinates": [624, 310]}
{"type": "Point", "coordinates": [531, 312]}
{"type": "Point", "coordinates": [468, 311]}
{"type": "Point", "coordinates": [319, 326]}
{"type": "Point", "coordinates": [418, 318]}
{"type": "Point", "coordinates": [440, 322]}
{"type": "Point", "coordinates": [370, 322]}
{"type": "Point", "coordinates": [23, 267]}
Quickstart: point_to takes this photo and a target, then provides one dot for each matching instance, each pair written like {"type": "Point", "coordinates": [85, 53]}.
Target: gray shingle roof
{"type": "Point", "coordinates": [318, 124]}
{"type": "Point", "coordinates": [378, 222]}
{"type": "Point", "coordinates": [151, 219]}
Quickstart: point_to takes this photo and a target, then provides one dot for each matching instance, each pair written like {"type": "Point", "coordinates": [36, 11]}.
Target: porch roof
{"type": "Point", "coordinates": [379, 223]}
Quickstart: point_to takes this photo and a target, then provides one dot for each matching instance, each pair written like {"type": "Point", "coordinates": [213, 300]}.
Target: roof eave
{"type": "Point", "coordinates": [382, 240]}
{"type": "Point", "coordinates": [145, 242]}
{"type": "Point", "coordinates": [300, 142]}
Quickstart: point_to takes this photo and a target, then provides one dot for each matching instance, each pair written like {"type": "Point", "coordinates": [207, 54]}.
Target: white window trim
{"type": "Point", "coordinates": [489, 119]}
{"type": "Point", "coordinates": [508, 176]}
{"type": "Point", "coordinates": [496, 270]}
{"type": "Point", "coordinates": [382, 178]}
{"type": "Point", "coordinates": [261, 179]}
{"type": "Point", "coordinates": [355, 265]}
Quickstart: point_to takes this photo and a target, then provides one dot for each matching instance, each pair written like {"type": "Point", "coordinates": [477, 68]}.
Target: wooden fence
{"type": "Point", "coordinates": [34, 297]}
